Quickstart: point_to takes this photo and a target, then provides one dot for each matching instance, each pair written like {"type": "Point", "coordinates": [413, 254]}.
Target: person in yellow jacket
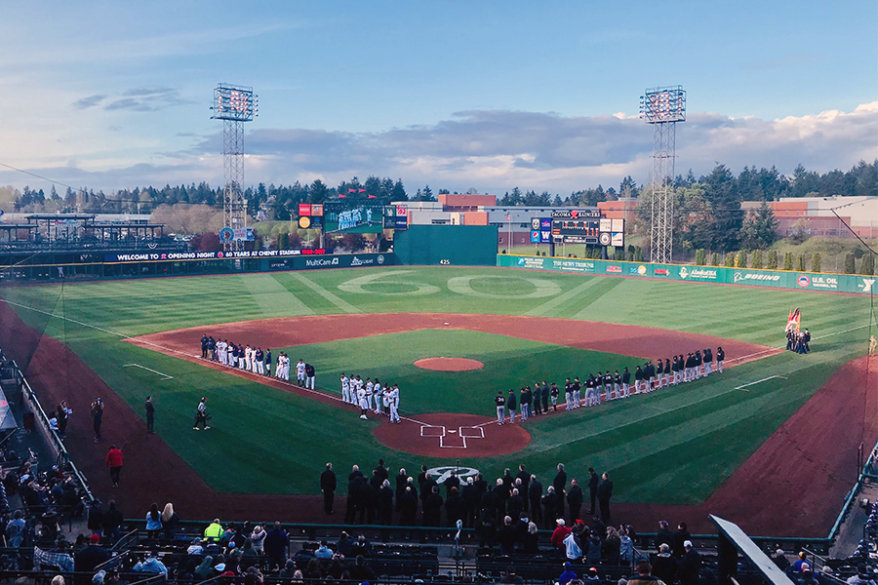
{"type": "Point", "coordinates": [214, 531]}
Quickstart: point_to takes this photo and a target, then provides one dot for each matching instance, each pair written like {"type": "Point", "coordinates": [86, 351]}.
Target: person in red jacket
{"type": "Point", "coordinates": [114, 462]}
{"type": "Point", "coordinates": [560, 533]}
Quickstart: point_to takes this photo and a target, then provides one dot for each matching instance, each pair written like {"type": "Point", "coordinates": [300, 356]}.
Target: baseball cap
{"type": "Point", "coordinates": [687, 544]}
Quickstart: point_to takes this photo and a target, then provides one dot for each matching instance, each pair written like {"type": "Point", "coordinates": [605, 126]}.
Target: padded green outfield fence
{"type": "Point", "coordinates": [813, 281]}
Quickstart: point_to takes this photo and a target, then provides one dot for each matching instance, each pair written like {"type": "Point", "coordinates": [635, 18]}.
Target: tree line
{"type": "Point", "coordinates": [707, 209]}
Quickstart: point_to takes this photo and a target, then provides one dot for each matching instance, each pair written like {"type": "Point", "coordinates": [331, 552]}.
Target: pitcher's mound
{"type": "Point", "coordinates": [449, 364]}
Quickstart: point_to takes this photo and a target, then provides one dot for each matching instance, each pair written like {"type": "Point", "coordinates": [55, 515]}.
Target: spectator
{"type": "Point", "coordinates": [862, 577]}
{"type": "Point", "coordinates": [531, 539]}
{"type": "Point", "coordinates": [506, 536]}
{"type": "Point", "coordinates": [205, 571]}
{"type": "Point", "coordinates": [289, 570]}
{"type": "Point", "coordinates": [323, 552]}
{"type": "Point", "coordinates": [559, 534]}
{"type": "Point", "coordinates": [799, 562]}
{"type": "Point", "coordinates": [780, 559]}
{"type": "Point", "coordinates": [593, 548]}
{"type": "Point", "coordinates": [689, 565]}
{"type": "Point", "coordinates": [277, 542]}
{"type": "Point", "coordinates": [664, 566]}
{"type": "Point", "coordinates": [591, 577]}
{"type": "Point", "coordinates": [612, 546]}
{"type": "Point", "coordinates": [680, 536]}
{"type": "Point", "coordinates": [257, 539]}
{"type": "Point", "coordinates": [626, 547]}
{"type": "Point", "coordinates": [568, 574]}
{"type": "Point", "coordinates": [644, 575]}
{"type": "Point", "coordinates": [58, 558]}
{"type": "Point", "coordinates": [153, 522]}
{"type": "Point", "coordinates": [664, 535]}
{"type": "Point", "coordinates": [573, 546]}
{"type": "Point", "coordinates": [112, 522]}
{"type": "Point", "coordinates": [15, 530]}
{"type": "Point", "coordinates": [151, 564]}
{"type": "Point", "coordinates": [170, 521]}
{"type": "Point", "coordinates": [214, 531]}
{"type": "Point", "coordinates": [89, 557]}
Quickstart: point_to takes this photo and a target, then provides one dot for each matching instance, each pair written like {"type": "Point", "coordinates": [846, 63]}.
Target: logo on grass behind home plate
{"type": "Point", "coordinates": [440, 474]}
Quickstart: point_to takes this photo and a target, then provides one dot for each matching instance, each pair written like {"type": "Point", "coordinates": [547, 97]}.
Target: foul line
{"type": "Point", "coordinates": [165, 376]}
{"type": "Point", "coordinates": [742, 386]}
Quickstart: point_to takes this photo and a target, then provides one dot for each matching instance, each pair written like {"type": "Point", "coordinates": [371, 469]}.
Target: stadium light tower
{"type": "Point", "coordinates": [234, 105]}
{"type": "Point", "coordinates": [663, 107]}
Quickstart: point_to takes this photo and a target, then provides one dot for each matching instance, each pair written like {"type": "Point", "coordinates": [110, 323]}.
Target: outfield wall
{"type": "Point", "coordinates": [458, 245]}
{"type": "Point", "coordinates": [813, 281]}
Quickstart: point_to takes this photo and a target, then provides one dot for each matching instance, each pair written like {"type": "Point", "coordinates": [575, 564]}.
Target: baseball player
{"type": "Point", "coordinates": [500, 402]}
{"type": "Point", "coordinates": [577, 393]}
{"type": "Point", "coordinates": [260, 356]}
{"type": "Point", "coordinates": [720, 357]}
{"type": "Point", "coordinates": [378, 391]}
{"type": "Point", "coordinates": [266, 362]}
{"type": "Point", "coordinates": [201, 415]}
{"type": "Point", "coordinates": [394, 404]}
{"type": "Point", "coordinates": [300, 373]}
{"type": "Point", "coordinates": [364, 404]}
{"type": "Point", "coordinates": [345, 389]}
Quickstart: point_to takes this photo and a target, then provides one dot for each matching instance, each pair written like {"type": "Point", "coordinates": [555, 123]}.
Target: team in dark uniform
{"type": "Point", "coordinates": [607, 385]}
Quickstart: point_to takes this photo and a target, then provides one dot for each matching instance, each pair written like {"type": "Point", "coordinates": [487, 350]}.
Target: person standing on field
{"type": "Point", "coordinates": [114, 464]}
{"type": "Point", "coordinates": [500, 403]}
{"type": "Point", "coordinates": [328, 485]}
{"type": "Point", "coordinates": [150, 415]}
{"type": "Point", "coordinates": [97, 417]}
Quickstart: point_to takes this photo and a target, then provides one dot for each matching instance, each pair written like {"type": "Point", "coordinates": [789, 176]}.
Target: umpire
{"type": "Point", "coordinates": [327, 486]}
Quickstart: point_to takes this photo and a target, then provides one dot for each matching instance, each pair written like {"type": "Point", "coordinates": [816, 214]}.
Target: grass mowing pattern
{"type": "Point", "coordinates": [268, 441]}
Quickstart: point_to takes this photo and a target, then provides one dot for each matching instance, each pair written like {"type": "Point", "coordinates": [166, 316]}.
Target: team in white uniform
{"type": "Point", "coordinates": [369, 395]}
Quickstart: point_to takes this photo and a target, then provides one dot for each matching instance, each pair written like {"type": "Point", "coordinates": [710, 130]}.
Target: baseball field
{"type": "Point", "coordinates": [737, 443]}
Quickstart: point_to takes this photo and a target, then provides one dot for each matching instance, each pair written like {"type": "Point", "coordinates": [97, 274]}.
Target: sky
{"type": "Point", "coordinates": [455, 94]}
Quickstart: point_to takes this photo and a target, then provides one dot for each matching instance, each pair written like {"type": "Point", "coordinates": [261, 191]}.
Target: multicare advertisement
{"type": "Point", "coordinates": [849, 283]}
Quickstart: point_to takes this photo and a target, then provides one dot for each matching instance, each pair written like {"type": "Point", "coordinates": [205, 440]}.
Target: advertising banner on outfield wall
{"type": "Point", "coordinates": [849, 283]}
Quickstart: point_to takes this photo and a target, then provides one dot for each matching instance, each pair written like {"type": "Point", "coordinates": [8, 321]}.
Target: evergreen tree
{"type": "Point", "coordinates": [730, 260]}
{"type": "Point", "coordinates": [849, 263]}
{"type": "Point", "coordinates": [800, 263]}
{"type": "Point", "coordinates": [816, 262]}
{"type": "Point", "coordinates": [700, 256]}
{"type": "Point", "coordinates": [741, 259]}
{"type": "Point", "coordinates": [867, 266]}
{"type": "Point", "coordinates": [788, 261]}
{"type": "Point", "coordinates": [725, 209]}
{"type": "Point", "coordinates": [756, 260]}
{"type": "Point", "coordinates": [771, 260]}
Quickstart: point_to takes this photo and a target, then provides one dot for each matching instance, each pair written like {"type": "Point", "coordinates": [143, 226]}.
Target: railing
{"type": "Point", "coordinates": [52, 439]}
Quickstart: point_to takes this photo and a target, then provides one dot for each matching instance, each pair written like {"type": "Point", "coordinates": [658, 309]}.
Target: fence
{"type": "Point", "coordinates": [785, 279]}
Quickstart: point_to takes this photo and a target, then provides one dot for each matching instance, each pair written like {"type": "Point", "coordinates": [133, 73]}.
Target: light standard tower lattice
{"type": "Point", "coordinates": [234, 105]}
{"type": "Point", "coordinates": [663, 107]}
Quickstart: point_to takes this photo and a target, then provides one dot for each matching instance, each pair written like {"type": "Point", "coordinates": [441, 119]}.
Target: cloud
{"type": "Point", "coordinates": [495, 150]}
{"type": "Point", "coordinates": [146, 99]}
{"type": "Point", "coordinates": [89, 101]}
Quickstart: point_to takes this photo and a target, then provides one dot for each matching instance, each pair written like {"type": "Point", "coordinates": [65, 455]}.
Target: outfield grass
{"type": "Point", "coordinates": [269, 441]}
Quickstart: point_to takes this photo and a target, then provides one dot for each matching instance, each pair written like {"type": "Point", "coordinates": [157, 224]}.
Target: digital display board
{"type": "Point", "coordinates": [352, 217]}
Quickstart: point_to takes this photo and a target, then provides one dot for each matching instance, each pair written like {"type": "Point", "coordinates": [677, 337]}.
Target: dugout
{"type": "Point", "coordinates": [447, 244]}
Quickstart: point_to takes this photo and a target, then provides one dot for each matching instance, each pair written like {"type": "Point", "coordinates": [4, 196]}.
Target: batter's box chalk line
{"type": "Point", "coordinates": [452, 438]}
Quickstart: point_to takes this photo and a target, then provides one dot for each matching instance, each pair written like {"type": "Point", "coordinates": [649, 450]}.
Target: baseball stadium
{"type": "Point", "coordinates": [734, 444]}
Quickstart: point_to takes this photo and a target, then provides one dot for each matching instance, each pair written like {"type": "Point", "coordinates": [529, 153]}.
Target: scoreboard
{"type": "Point", "coordinates": [573, 226]}
{"type": "Point", "coordinates": [579, 227]}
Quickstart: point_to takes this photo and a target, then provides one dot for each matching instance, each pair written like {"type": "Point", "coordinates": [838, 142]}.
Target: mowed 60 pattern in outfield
{"type": "Point", "coordinates": [270, 441]}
